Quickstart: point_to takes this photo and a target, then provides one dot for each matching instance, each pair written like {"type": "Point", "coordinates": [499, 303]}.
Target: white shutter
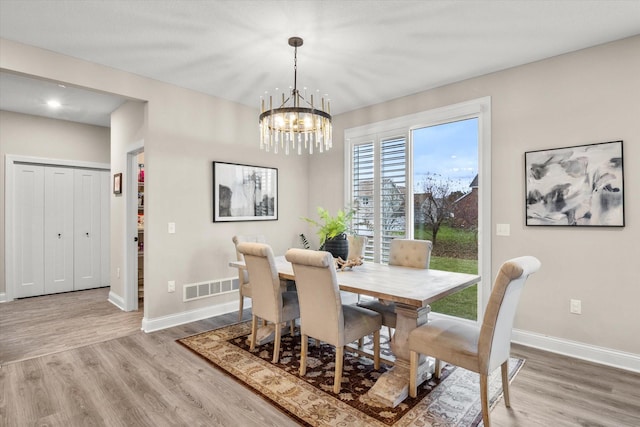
{"type": "Point", "coordinates": [393, 182]}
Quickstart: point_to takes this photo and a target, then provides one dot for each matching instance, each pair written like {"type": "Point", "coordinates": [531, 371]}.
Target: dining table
{"type": "Point", "coordinates": [411, 290]}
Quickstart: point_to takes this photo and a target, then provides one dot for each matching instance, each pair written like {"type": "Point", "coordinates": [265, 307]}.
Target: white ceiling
{"type": "Point", "coordinates": [358, 52]}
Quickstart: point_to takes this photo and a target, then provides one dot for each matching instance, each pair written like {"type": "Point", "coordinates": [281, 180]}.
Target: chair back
{"type": "Point", "coordinates": [243, 275]}
{"type": "Point", "coordinates": [357, 245]}
{"type": "Point", "coordinates": [321, 314]}
{"type": "Point", "coordinates": [410, 253]}
{"type": "Point", "coordinates": [265, 283]}
{"type": "Point", "coordinates": [494, 343]}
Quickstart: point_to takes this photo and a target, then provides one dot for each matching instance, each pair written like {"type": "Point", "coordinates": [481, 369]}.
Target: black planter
{"type": "Point", "coordinates": [338, 246]}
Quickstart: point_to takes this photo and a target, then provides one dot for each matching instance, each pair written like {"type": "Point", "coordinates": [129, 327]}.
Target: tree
{"type": "Point", "coordinates": [438, 202]}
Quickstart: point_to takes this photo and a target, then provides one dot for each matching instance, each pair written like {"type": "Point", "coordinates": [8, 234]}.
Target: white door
{"type": "Point", "coordinates": [29, 230]}
{"type": "Point", "coordinates": [87, 229]}
{"type": "Point", "coordinates": [58, 230]}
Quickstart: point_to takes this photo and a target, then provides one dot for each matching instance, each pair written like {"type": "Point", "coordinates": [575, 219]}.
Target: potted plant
{"type": "Point", "coordinates": [332, 231]}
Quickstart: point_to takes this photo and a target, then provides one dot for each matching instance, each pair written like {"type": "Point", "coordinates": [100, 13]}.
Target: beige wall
{"type": "Point", "coordinates": [32, 136]}
{"type": "Point", "coordinates": [584, 97]}
{"type": "Point", "coordinates": [183, 133]}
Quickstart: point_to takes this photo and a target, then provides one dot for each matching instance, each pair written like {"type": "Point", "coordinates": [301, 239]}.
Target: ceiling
{"type": "Point", "coordinates": [358, 52]}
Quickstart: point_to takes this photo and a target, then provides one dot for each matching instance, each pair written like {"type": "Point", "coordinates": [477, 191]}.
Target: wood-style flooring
{"type": "Point", "coordinates": [58, 370]}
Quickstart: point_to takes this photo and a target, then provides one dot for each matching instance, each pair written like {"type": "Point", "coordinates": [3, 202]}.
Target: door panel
{"type": "Point", "coordinates": [58, 230]}
{"type": "Point", "coordinates": [87, 232]}
{"type": "Point", "coordinates": [29, 219]}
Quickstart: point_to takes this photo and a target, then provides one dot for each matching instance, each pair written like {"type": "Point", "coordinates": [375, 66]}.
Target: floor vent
{"type": "Point", "coordinates": [199, 290]}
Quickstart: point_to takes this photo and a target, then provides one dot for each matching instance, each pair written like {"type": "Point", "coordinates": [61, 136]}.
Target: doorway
{"type": "Point", "coordinates": [135, 229]}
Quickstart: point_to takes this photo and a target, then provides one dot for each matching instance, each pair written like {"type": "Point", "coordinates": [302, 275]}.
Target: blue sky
{"type": "Point", "coordinates": [450, 149]}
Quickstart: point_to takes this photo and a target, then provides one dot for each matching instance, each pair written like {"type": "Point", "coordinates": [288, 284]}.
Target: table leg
{"type": "Point", "coordinates": [393, 386]}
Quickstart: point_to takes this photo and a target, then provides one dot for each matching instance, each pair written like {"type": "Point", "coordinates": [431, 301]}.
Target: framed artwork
{"type": "Point", "coordinates": [575, 186]}
{"type": "Point", "coordinates": [244, 193]}
{"type": "Point", "coordinates": [117, 183]}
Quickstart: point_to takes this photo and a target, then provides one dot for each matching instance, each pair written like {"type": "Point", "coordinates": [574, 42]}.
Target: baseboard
{"type": "Point", "coordinates": [591, 353]}
{"type": "Point", "coordinates": [158, 323]}
{"type": "Point", "coordinates": [116, 300]}
{"type": "Point", "coordinates": [3, 297]}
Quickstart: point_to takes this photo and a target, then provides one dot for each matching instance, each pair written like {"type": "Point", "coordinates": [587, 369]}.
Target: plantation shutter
{"type": "Point", "coordinates": [393, 180]}
{"type": "Point", "coordinates": [363, 194]}
{"type": "Point", "coordinates": [379, 178]}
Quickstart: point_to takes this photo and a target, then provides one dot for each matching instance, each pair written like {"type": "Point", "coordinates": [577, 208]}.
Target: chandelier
{"type": "Point", "coordinates": [297, 123]}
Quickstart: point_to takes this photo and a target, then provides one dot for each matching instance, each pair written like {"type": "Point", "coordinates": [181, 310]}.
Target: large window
{"type": "Point", "coordinates": [418, 177]}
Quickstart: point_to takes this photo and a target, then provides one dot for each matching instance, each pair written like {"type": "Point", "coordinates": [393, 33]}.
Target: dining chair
{"type": "Point", "coordinates": [269, 301]}
{"type": "Point", "coordinates": [480, 349]}
{"type": "Point", "coordinates": [404, 253]}
{"type": "Point", "coordinates": [322, 314]}
{"type": "Point", "coordinates": [244, 286]}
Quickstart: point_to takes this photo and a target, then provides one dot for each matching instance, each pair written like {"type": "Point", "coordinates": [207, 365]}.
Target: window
{"type": "Point", "coordinates": [382, 186]}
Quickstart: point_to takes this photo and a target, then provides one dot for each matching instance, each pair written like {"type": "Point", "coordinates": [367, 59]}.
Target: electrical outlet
{"type": "Point", "coordinates": [171, 228]}
{"type": "Point", "coordinates": [576, 306]}
{"type": "Point", "coordinates": [171, 286]}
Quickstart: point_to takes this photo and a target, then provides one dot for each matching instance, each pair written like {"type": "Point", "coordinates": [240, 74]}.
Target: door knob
{"type": "Point", "coordinates": [87, 234]}
{"type": "Point", "coordinates": [135, 239]}
{"type": "Point", "coordinates": [59, 235]}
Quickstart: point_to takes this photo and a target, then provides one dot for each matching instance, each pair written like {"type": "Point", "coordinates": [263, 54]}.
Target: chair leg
{"type": "Point", "coordinates": [389, 331]}
{"type": "Point", "coordinates": [337, 382]}
{"type": "Point", "coordinates": [240, 308]}
{"type": "Point", "coordinates": [276, 343]}
{"type": "Point", "coordinates": [360, 343]}
{"type": "Point", "coordinates": [292, 328]}
{"type": "Point", "coordinates": [437, 369]}
{"type": "Point", "coordinates": [376, 349]}
{"type": "Point", "coordinates": [254, 331]}
{"type": "Point", "coordinates": [484, 398]}
{"type": "Point", "coordinates": [505, 383]}
{"type": "Point", "coordinates": [304, 341]}
{"type": "Point", "coordinates": [413, 373]}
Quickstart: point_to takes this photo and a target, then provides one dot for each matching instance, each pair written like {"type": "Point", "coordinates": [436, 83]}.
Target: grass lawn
{"type": "Point", "coordinates": [465, 302]}
{"type": "Point", "coordinates": [455, 251]}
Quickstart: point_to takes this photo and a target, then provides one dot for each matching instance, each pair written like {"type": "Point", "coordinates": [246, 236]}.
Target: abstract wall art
{"type": "Point", "coordinates": [244, 193]}
{"type": "Point", "coordinates": [575, 186]}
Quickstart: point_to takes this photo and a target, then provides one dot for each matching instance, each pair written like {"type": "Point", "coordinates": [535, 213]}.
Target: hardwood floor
{"type": "Point", "coordinates": [130, 378]}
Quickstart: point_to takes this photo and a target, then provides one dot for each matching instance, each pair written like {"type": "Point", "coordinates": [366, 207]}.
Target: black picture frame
{"type": "Point", "coordinates": [117, 183]}
{"type": "Point", "coordinates": [244, 192]}
{"type": "Point", "coordinates": [579, 186]}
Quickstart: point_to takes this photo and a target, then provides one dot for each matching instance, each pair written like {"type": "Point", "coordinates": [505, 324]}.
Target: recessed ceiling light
{"type": "Point", "coordinates": [53, 103]}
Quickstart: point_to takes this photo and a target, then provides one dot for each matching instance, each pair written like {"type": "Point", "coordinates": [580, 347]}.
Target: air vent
{"type": "Point", "coordinates": [211, 288]}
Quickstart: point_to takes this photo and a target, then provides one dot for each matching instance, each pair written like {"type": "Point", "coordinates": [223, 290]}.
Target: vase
{"type": "Point", "coordinates": [338, 246]}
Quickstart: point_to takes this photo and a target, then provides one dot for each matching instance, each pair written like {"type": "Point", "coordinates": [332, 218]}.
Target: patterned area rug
{"type": "Point", "coordinates": [454, 400]}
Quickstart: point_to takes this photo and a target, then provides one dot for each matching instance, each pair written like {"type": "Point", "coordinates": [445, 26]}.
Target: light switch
{"type": "Point", "coordinates": [503, 229]}
{"type": "Point", "coordinates": [171, 228]}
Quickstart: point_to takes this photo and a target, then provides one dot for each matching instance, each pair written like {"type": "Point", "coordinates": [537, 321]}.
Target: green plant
{"type": "Point", "coordinates": [331, 226]}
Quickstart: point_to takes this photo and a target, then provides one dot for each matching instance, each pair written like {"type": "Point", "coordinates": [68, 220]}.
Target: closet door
{"type": "Point", "coordinates": [58, 230]}
{"type": "Point", "coordinates": [29, 230]}
{"type": "Point", "coordinates": [87, 232]}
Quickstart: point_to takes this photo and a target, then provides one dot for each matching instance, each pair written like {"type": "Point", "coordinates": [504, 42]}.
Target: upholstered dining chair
{"type": "Point", "coordinates": [405, 253]}
{"type": "Point", "coordinates": [322, 314]}
{"type": "Point", "coordinates": [482, 348]}
{"type": "Point", "coordinates": [244, 286]}
{"type": "Point", "coordinates": [269, 301]}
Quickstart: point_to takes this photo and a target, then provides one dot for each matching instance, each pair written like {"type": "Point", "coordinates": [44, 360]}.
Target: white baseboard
{"type": "Point", "coordinates": [116, 300]}
{"type": "Point", "coordinates": [602, 355]}
{"type": "Point", "coordinates": [158, 323]}
{"type": "Point", "coordinates": [3, 297]}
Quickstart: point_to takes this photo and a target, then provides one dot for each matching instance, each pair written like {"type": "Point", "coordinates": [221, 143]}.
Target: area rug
{"type": "Point", "coordinates": [454, 400]}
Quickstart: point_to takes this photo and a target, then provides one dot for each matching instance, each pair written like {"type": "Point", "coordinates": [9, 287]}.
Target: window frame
{"type": "Point", "coordinates": [402, 127]}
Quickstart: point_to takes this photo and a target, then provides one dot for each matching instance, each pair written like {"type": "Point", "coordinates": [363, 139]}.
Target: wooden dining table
{"type": "Point", "coordinates": [412, 290]}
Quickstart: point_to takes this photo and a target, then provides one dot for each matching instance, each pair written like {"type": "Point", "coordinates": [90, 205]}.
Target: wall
{"type": "Point", "coordinates": [183, 133]}
{"type": "Point", "coordinates": [583, 97]}
{"type": "Point", "coordinates": [588, 96]}
{"type": "Point", "coordinates": [33, 136]}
